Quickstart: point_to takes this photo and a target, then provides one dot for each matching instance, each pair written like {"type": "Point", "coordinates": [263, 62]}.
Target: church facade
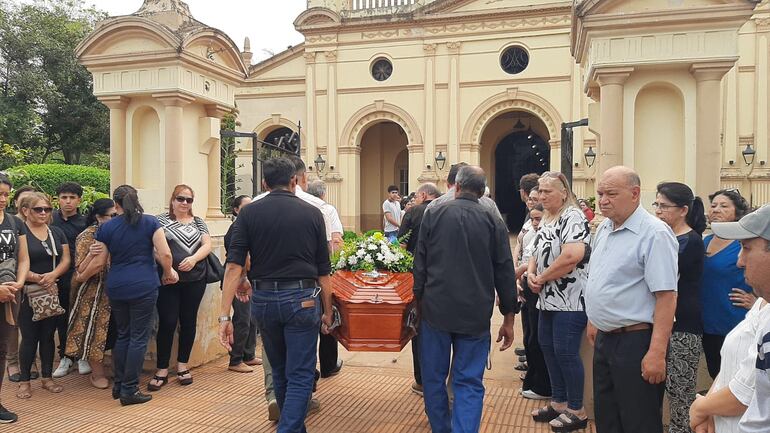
{"type": "Point", "coordinates": [395, 91]}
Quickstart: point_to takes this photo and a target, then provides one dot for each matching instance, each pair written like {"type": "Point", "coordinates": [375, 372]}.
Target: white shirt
{"type": "Point", "coordinates": [331, 217]}
{"type": "Point", "coordinates": [394, 209]}
{"type": "Point", "coordinates": [738, 368]}
{"type": "Point", "coordinates": [757, 416]}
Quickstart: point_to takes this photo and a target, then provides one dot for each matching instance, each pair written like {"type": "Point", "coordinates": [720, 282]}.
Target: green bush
{"type": "Point", "coordinates": [349, 236]}
{"type": "Point", "coordinates": [47, 177]}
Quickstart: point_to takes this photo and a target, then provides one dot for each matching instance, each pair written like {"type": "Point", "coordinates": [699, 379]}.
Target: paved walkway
{"type": "Point", "coordinates": [372, 395]}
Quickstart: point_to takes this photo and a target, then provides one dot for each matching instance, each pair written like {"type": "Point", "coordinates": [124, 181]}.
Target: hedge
{"type": "Point", "coordinates": [48, 177]}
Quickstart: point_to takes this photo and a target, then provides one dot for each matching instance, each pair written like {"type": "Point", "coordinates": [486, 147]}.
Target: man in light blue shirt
{"type": "Point", "coordinates": [630, 302]}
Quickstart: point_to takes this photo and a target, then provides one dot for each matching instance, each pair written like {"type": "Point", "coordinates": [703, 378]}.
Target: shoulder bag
{"type": "Point", "coordinates": [43, 303]}
{"type": "Point", "coordinates": [215, 272]}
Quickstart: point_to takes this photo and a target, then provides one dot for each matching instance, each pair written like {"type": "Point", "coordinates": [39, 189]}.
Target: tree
{"type": "Point", "coordinates": [47, 102]}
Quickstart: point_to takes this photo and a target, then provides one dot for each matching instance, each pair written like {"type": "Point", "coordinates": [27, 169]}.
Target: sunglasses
{"type": "Point", "coordinates": [112, 215]}
{"type": "Point", "coordinates": [40, 209]}
{"type": "Point", "coordinates": [181, 199]}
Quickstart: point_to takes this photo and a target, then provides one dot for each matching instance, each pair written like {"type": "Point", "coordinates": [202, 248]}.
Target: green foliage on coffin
{"type": "Point", "coordinates": [47, 177]}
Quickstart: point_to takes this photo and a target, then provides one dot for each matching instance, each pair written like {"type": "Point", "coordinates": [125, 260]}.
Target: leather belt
{"type": "Point", "coordinates": [284, 285]}
{"type": "Point", "coordinates": [631, 328]}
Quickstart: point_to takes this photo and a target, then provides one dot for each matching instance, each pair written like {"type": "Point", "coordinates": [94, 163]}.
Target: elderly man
{"type": "Point", "coordinates": [753, 231]}
{"type": "Point", "coordinates": [486, 202]}
{"type": "Point", "coordinates": [317, 188]}
{"type": "Point", "coordinates": [630, 302]}
{"type": "Point", "coordinates": [463, 257]}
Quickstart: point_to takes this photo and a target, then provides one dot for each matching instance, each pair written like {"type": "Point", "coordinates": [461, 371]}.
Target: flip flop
{"type": "Point", "coordinates": [52, 387]}
{"type": "Point", "coordinates": [184, 381]}
{"type": "Point", "coordinates": [163, 380]}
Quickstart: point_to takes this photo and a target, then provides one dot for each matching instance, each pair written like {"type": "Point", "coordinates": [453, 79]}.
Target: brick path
{"type": "Point", "coordinates": [361, 399]}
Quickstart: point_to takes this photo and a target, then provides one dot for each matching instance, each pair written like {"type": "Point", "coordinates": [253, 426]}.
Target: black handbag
{"type": "Point", "coordinates": [215, 272]}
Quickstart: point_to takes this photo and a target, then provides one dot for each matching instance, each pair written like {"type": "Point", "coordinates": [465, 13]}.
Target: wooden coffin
{"type": "Point", "coordinates": [376, 310]}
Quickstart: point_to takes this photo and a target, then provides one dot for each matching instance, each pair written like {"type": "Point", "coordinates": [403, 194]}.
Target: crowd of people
{"type": "Point", "coordinates": [647, 289]}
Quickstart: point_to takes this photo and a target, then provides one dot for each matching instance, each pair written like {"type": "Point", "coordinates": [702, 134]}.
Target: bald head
{"type": "Point", "coordinates": [472, 180]}
{"type": "Point", "coordinates": [427, 191]}
{"type": "Point", "coordinates": [619, 192]}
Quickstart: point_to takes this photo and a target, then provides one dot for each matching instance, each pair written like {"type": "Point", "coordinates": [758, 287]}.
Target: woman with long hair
{"type": "Point", "coordinates": [558, 273]}
{"type": "Point", "coordinates": [190, 243]}
{"type": "Point", "coordinates": [725, 296]}
{"type": "Point", "coordinates": [133, 241]}
{"type": "Point", "coordinates": [678, 207]}
{"type": "Point", "coordinates": [14, 266]}
{"type": "Point", "coordinates": [89, 332]}
{"type": "Point", "coordinates": [49, 259]}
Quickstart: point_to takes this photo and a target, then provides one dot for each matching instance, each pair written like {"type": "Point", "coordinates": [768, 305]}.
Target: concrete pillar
{"type": "Point", "coordinates": [429, 147]}
{"type": "Point", "coordinates": [311, 145]}
{"type": "Point", "coordinates": [611, 82]}
{"type": "Point", "coordinates": [416, 158]}
{"type": "Point", "coordinates": [117, 106]}
{"type": "Point", "coordinates": [453, 148]}
{"type": "Point", "coordinates": [173, 137]}
{"type": "Point", "coordinates": [350, 205]}
{"type": "Point", "coordinates": [708, 78]}
{"type": "Point", "coordinates": [331, 97]}
{"type": "Point", "coordinates": [214, 161]}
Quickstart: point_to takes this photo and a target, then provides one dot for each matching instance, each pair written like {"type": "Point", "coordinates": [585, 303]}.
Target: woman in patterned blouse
{"type": "Point", "coordinates": [558, 273]}
{"type": "Point", "coordinates": [190, 244]}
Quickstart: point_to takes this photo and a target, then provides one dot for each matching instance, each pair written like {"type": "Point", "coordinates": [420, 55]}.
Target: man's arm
{"type": "Point", "coordinates": [406, 224]}
{"type": "Point", "coordinates": [505, 284]}
{"type": "Point", "coordinates": [654, 362]}
{"type": "Point", "coordinates": [390, 219]}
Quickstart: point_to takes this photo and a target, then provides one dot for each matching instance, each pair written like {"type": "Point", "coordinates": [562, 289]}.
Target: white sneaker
{"type": "Point", "coordinates": [64, 368]}
{"type": "Point", "coordinates": [84, 367]}
{"type": "Point", "coordinates": [527, 393]}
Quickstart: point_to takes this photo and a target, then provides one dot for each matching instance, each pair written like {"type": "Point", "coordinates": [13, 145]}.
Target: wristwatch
{"type": "Point", "coordinates": [224, 319]}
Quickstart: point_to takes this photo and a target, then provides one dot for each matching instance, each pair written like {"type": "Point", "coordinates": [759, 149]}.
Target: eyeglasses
{"type": "Point", "coordinates": [663, 206]}
{"type": "Point", "coordinates": [40, 209]}
{"type": "Point", "coordinates": [181, 199]}
{"type": "Point", "coordinates": [112, 215]}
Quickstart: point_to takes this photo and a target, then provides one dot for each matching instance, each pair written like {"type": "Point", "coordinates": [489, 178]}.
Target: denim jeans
{"type": "Point", "coordinates": [469, 357]}
{"type": "Point", "coordinates": [289, 322]}
{"type": "Point", "coordinates": [133, 321]}
{"type": "Point", "coordinates": [561, 333]}
{"type": "Point", "coordinates": [392, 236]}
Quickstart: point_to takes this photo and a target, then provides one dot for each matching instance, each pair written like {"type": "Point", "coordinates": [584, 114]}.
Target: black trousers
{"type": "Point", "coordinates": [536, 378]}
{"type": "Point", "coordinates": [244, 333]}
{"type": "Point", "coordinates": [624, 402]}
{"type": "Point", "coordinates": [62, 321]}
{"type": "Point", "coordinates": [178, 303]}
{"type": "Point", "coordinates": [416, 359]}
{"type": "Point", "coordinates": [712, 347]}
{"type": "Point", "coordinates": [34, 334]}
{"type": "Point", "coordinates": [327, 353]}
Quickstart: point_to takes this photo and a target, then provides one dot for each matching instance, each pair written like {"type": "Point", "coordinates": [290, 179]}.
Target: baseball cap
{"type": "Point", "coordinates": [753, 225]}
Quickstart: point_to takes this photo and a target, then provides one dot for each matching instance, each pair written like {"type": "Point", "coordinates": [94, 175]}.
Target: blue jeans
{"type": "Point", "coordinates": [561, 333]}
{"type": "Point", "coordinates": [289, 321]}
{"type": "Point", "coordinates": [133, 322]}
{"type": "Point", "coordinates": [469, 357]}
{"type": "Point", "coordinates": [391, 236]}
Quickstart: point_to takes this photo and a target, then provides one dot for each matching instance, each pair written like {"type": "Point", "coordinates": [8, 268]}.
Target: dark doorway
{"type": "Point", "coordinates": [517, 154]}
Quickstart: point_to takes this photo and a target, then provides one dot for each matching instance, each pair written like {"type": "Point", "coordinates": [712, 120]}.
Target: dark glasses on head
{"type": "Point", "coordinates": [40, 209]}
{"type": "Point", "coordinates": [181, 199]}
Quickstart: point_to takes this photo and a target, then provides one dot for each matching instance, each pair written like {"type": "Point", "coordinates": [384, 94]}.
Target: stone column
{"type": "Point", "coordinates": [117, 106]}
{"type": "Point", "coordinates": [215, 167]}
{"type": "Point", "coordinates": [350, 200]}
{"type": "Point", "coordinates": [174, 136]}
{"type": "Point", "coordinates": [453, 147]}
{"type": "Point", "coordinates": [429, 153]}
{"type": "Point", "coordinates": [311, 145]}
{"type": "Point", "coordinates": [331, 97]}
{"type": "Point", "coordinates": [416, 158]}
{"type": "Point", "coordinates": [708, 148]}
{"type": "Point", "coordinates": [611, 82]}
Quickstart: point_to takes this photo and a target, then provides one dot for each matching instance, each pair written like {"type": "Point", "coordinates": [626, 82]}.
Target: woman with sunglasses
{"type": "Point", "coordinates": [677, 206]}
{"type": "Point", "coordinates": [178, 303]}
{"type": "Point", "coordinates": [49, 259]}
{"type": "Point", "coordinates": [558, 273]}
{"type": "Point", "coordinates": [89, 332]}
{"type": "Point", "coordinates": [725, 296]}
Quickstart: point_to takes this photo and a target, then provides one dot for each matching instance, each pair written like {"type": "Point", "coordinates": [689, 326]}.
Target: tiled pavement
{"type": "Point", "coordinates": [371, 398]}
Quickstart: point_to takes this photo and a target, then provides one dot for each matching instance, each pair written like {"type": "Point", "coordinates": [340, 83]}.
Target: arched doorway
{"type": "Point", "coordinates": [384, 162]}
{"type": "Point", "coordinates": [513, 144]}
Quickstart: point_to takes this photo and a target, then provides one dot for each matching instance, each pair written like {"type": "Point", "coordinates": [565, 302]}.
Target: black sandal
{"type": "Point", "coordinates": [16, 377]}
{"type": "Point", "coordinates": [546, 414]}
{"type": "Point", "coordinates": [162, 380]}
{"type": "Point", "coordinates": [184, 381]}
{"type": "Point", "coordinates": [569, 422]}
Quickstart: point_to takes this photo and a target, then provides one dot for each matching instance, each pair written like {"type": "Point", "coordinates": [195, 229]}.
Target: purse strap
{"type": "Point", "coordinates": [53, 249]}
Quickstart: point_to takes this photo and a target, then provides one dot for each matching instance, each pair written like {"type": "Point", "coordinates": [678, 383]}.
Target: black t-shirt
{"type": "Point", "coordinates": [692, 253]}
{"type": "Point", "coordinates": [41, 251]}
{"type": "Point", "coordinates": [71, 228]}
{"type": "Point", "coordinates": [9, 235]}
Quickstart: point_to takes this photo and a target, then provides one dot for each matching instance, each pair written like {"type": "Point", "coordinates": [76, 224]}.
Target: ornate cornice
{"type": "Point", "coordinates": [330, 55]}
{"type": "Point", "coordinates": [430, 49]}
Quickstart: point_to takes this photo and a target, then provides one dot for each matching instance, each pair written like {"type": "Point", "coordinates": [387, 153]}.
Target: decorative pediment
{"type": "Point", "coordinates": [317, 17]}
{"type": "Point", "coordinates": [215, 46]}
{"type": "Point", "coordinates": [127, 35]}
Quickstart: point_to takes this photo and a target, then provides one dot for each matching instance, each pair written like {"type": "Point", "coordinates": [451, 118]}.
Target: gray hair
{"type": "Point", "coordinates": [472, 179]}
{"type": "Point", "coordinates": [317, 188]}
{"type": "Point", "coordinates": [429, 189]}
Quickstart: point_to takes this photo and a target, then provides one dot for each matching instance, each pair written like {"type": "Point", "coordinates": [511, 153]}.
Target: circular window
{"type": "Point", "coordinates": [382, 69]}
{"type": "Point", "coordinates": [514, 60]}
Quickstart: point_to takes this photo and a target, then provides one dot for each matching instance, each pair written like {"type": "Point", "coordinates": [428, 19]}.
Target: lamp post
{"type": "Point", "coordinates": [590, 156]}
{"type": "Point", "coordinates": [440, 160]}
{"type": "Point", "coordinates": [320, 163]}
{"type": "Point", "coordinates": [748, 154]}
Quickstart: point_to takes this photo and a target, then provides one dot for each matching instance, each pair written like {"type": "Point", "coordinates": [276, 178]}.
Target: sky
{"type": "Point", "coordinates": [267, 23]}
